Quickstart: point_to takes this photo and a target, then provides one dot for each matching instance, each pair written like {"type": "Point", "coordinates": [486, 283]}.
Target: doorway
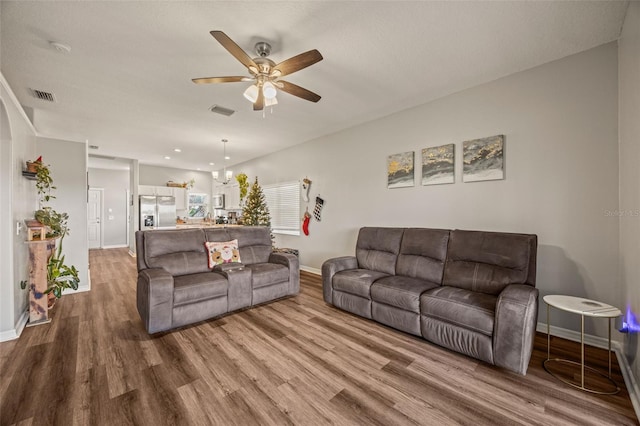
{"type": "Point", "coordinates": [94, 218]}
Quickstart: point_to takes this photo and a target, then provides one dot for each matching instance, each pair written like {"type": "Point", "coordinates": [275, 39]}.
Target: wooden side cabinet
{"type": "Point", "coordinates": [39, 253]}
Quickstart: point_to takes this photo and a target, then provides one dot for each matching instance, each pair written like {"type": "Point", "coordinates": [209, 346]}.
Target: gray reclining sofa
{"type": "Point", "coordinates": [469, 291]}
{"type": "Point", "coordinates": [176, 286]}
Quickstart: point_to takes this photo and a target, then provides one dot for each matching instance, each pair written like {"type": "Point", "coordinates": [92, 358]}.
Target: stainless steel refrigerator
{"type": "Point", "coordinates": [157, 212]}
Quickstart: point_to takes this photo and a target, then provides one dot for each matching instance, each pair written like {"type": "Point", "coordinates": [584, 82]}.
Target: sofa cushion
{"type": "Point", "coordinates": [400, 292]}
{"type": "Point", "coordinates": [265, 274]}
{"type": "Point", "coordinates": [356, 281]}
{"type": "Point", "coordinates": [217, 234]}
{"type": "Point", "coordinates": [179, 252]}
{"type": "Point", "coordinates": [422, 253]}
{"type": "Point", "coordinates": [254, 243]}
{"type": "Point", "coordinates": [222, 252]}
{"type": "Point", "coordinates": [184, 263]}
{"type": "Point", "coordinates": [377, 249]}
{"type": "Point", "coordinates": [195, 287]}
{"type": "Point", "coordinates": [487, 261]}
{"type": "Point", "coordinates": [464, 308]}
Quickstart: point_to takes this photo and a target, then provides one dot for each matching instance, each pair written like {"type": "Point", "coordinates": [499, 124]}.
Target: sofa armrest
{"type": "Point", "coordinates": [155, 299]}
{"type": "Point", "coordinates": [240, 291]}
{"type": "Point", "coordinates": [515, 327]}
{"type": "Point", "coordinates": [330, 268]}
{"type": "Point", "coordinates": [290, 261]}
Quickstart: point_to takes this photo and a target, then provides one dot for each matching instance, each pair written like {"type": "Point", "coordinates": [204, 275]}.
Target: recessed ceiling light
{"type": "Point", "coordinates": [227, 158]}
{"type": "Point", "coordinates": [198, 169]}
{"type": "Point", "coordinates": [177, 150]}
{"type": "Point", "coordinates": [212, 164]}
{"type": "Point", "coordinates": [167, 157]}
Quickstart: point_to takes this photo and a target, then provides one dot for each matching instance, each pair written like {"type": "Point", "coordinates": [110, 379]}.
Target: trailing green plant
{"type": "Point", "coordinates": [44, 181]}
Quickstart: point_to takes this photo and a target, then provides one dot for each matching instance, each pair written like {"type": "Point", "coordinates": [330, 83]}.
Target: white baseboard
{"type": "Point", "coordinates": [311, 270]}
{"type": "Point", "coordinates": [600, 342]}
{"type": "Point", "coordinates": [115, 246]}
{"type": "Point", "coordinates": [17, 330]}
{"type": "Point", "coordinates": [132, 254]}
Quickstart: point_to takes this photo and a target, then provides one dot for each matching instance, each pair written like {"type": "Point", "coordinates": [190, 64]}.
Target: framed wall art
{"type": "Point", "coordinates": [483, 159]}
{"type": "Point", "coordinates": [438, 164]}
{"type": "Point", "coordinates": [400, 170]}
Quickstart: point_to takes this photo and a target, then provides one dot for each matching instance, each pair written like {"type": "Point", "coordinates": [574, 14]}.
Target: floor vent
{"type": "Point", "coordinates": [221, 110]}
{"type": "Point", "coordinates": [42, 95]}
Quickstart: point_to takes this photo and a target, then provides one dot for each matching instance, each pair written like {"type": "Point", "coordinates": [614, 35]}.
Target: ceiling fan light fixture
{"type": "Point", "coordinates": [251, 94]}
{"type": "Point", "coordinates": [270, 102]}
{"type": "Point", "coordinates": [269, 90]}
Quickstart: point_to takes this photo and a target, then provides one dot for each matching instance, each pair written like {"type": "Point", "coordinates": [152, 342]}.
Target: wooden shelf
{"type": "Point", "coordinates": [29, 175]}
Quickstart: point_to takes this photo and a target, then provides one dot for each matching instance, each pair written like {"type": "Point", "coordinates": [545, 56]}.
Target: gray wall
{"type": "Point", "coordinates": [560, 124]}
{"type": "Point", "coordinates": [68, 162]}
{"type": "Point", "coordinates": [629, 111]}
{"type": "Point", "coordinates": [18, 202]}
{"type": "Point", "coordinates": [115, 184]}
{"type": "Point", "coordinates": [159, 176]}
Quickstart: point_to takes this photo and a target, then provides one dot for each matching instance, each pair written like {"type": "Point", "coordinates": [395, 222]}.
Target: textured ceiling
{"type": "Point", "coordinates": [126, 84]}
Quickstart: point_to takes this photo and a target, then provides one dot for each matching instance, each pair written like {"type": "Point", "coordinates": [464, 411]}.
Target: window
{"type": "Point", "coordinates": [198, 204]}
{"type": "Point", "coordinates": [283, 200]}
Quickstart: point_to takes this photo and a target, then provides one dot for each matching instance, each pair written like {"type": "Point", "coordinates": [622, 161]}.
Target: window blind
{"type": "Point", "coordinates": [283, 200]}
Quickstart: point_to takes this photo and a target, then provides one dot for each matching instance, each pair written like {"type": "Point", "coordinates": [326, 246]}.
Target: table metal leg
{"type": "Point", "coordinates": [582, 348]}
{"type": "Point", "coordinates": [548, 334]}
{"type": "Point", "coordinates": [609, 347]}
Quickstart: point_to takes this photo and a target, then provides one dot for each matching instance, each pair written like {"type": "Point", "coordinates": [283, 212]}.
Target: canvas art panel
{"type": "Point", "coordinates": [483, 159]}
{"type": "Point", "coordinates": [438, 164]}
{"type": "Point", "coordinates": [400, 170]}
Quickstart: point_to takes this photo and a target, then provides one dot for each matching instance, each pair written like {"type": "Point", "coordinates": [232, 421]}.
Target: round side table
{"type": "Point", "coordinates": [588, 308]}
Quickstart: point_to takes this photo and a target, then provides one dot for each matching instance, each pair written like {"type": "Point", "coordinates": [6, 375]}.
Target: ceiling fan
{"type": "Point", "coordinates": [265, 73]}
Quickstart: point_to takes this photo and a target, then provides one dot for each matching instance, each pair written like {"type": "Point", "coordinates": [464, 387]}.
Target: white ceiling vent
{"type": "Point", "coordinates": [42, 95]}
{"type": "Point", "coordinates": [221, 110]}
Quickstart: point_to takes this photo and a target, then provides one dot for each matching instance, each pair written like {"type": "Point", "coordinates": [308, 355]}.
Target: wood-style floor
{"type": "Point", "coordinates": [294, 361]}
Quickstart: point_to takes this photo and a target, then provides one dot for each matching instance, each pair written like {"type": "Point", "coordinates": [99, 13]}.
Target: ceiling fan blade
{"type": "Point", "coordinates": [297, 63]}
{"type": "Point", "coordinates": [207, 80]}
{"type": "Point", "coordinates": [234, 49]}
{"type": "Point", "coordinates": [298, 91]}
{"type": "Point", "coordinates": [259, 104]}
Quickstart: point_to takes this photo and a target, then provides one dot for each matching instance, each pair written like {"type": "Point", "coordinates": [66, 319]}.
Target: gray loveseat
{"type": "Point", "coordinates": [176, 286]}
{"type": "Point", "coordinates": [469, 291]}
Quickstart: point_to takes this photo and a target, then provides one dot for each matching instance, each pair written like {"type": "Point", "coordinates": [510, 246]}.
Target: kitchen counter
{"type": "Point", "coordinates": [203, 225]}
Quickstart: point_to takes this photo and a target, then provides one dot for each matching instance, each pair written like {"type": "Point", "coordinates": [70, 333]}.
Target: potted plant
{"type": "Point", "coordinates": [44, 181]}
{"type": "Point", "coordinates": [60, 276]}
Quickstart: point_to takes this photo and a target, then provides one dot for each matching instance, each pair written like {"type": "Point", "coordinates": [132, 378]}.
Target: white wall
{"type": "Point", "coordinates": [18, 201]}
{"type": "Point", "coordinates": [560, 124]}
{"type": "Point", "coordinates": [68, 162]}
{"type": "Point", "coordinates": [115, 184]}
{"type": "Point", "coordinates": [629, 128]}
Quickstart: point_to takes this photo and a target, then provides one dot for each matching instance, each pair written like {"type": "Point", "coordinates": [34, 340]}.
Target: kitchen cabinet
{"type": "Point", "coordinates": [181, 198]}
{"type": "Point", "coordinates": [232, 196]}
{"type": "Point", "coordinates": [164, 190]}
{"type": "Point", "coordinates": [146, 190]}
{"type": "Point", "coordinates": [180, 194]}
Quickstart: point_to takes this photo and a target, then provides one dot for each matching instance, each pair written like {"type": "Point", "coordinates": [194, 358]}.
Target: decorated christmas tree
{"type": "Point", "coordinates": [256, 211]}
